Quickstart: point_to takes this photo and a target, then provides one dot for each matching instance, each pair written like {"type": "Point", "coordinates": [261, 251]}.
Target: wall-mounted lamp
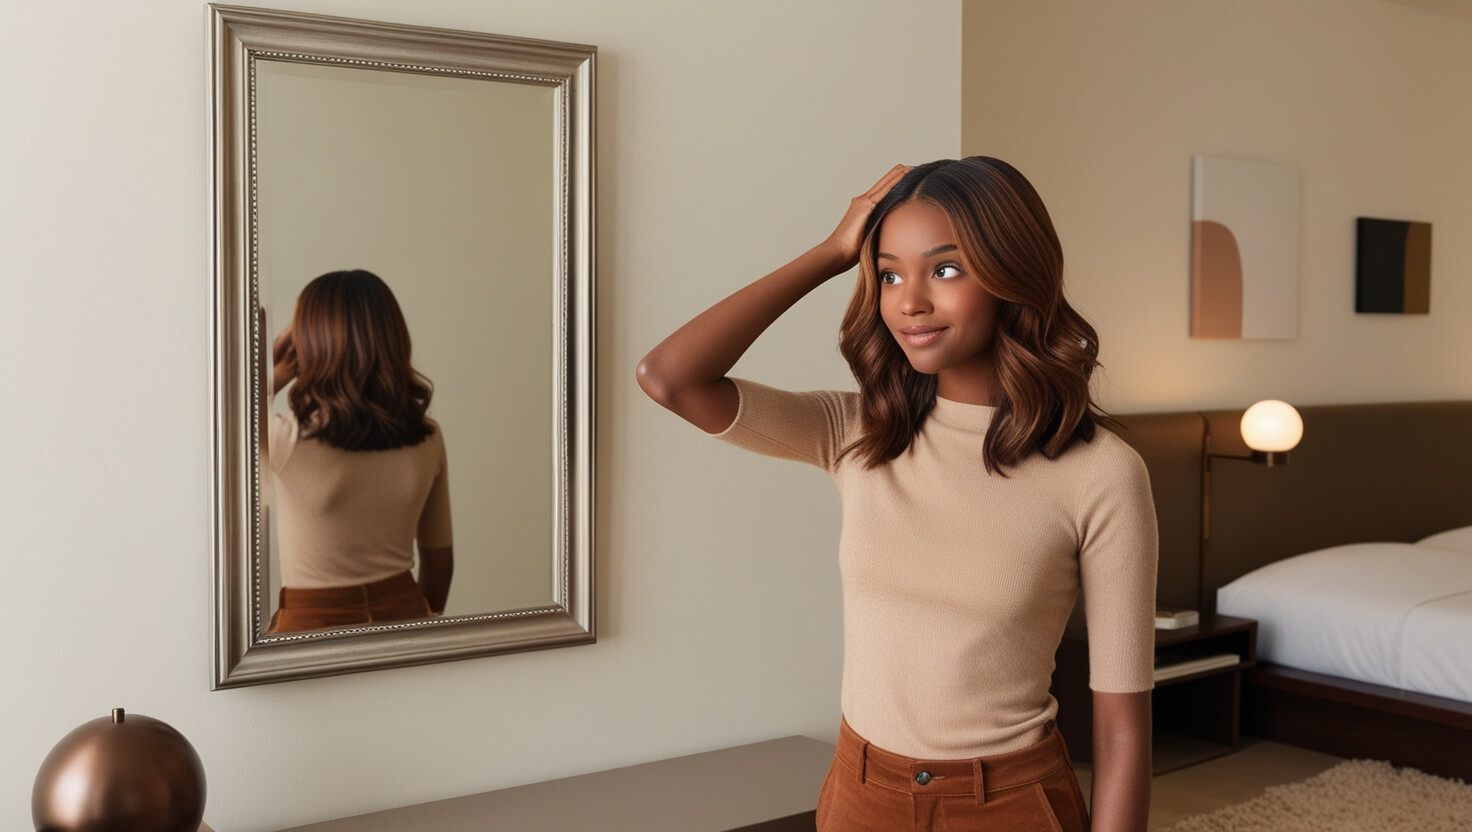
{"type": "Point", "coordinates": [1271, 429]}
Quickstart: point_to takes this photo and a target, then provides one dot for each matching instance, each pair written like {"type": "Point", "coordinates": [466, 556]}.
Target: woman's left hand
{"type": "Point", "coordinates": [849, 235]}
{"type": "Point", "coordinates": [283, 355]}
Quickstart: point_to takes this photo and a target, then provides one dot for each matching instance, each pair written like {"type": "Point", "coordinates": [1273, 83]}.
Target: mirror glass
{"type": "Point", "coordinates": [444, 188]}
{"type": "Point", "coordinates": [457, 168]}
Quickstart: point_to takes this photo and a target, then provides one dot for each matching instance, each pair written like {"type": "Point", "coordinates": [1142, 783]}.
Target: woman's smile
{"type": "Point", "coordinates": [919, 336]}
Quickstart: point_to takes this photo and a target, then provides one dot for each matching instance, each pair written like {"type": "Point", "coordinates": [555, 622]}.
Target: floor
{"type": "Point", "coordinates": [1234, 778]}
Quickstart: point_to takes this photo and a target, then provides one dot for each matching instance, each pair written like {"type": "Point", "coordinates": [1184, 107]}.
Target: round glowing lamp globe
{"type": "Point", "coordinates": [1272, 426]}
{"type": "Point", "coordinates": [120, 773]}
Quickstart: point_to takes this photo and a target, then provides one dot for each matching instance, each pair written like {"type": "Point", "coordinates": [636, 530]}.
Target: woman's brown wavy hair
{"type": "Point", "coordinates": [1045, 351]}
{"type": "Point", "coordinates": [355, 387]}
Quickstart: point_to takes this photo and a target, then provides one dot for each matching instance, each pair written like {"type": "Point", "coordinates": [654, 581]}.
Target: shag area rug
{"type": "Point", "coordinates": [1354, 796]}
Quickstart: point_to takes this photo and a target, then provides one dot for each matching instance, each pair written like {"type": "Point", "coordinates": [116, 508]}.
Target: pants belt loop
{"type": "Point", "coordinates": [978, 782]}
{"type": "Point", "coordinates": [864, 762]}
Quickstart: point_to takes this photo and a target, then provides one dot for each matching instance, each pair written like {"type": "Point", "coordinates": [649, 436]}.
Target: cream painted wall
{"type": "Point", "coordinates": [1102, 105]}
{"type": "Point", "coordinates": [731, 136]}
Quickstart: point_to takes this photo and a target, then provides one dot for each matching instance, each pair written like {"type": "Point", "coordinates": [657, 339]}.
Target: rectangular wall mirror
{"type": "Point", "coordinates": [451, 173]}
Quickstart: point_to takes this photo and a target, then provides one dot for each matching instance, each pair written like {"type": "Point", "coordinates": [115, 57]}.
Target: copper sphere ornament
{"type": "Point", "coordinates": [117, 773]}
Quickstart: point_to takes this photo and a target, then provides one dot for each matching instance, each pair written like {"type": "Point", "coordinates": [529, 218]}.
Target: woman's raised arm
{"type": "Point", "coordinates": [686, 373]}
{"type": "Point", "coordinates": [284, 358]}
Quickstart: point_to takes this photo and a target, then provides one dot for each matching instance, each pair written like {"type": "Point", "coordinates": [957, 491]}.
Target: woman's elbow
{"type": "Point", "coordinates": [653, 381]}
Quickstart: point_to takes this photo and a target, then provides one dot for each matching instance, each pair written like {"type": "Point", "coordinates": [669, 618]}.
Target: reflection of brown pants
{"type": "Point", "coordinates": [872, 790]}
{"type": "Point", "coordinates": [391, 599]}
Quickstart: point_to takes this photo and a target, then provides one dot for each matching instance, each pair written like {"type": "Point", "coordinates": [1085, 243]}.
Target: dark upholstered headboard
{"type": "Point", "coordinates": [1366, 472]}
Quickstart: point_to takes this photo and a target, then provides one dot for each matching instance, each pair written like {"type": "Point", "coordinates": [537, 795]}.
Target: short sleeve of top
{"type": "Point", "coordinates": [1118, 557]}
{"type": "Point", "coordinates": [812, 427]}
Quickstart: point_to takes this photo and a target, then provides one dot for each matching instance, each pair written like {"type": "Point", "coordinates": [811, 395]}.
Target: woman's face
{"type": "Point", "coordinates": [934, 307]}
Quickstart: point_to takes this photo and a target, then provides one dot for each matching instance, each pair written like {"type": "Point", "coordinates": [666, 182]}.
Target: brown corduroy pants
{"type": "Point", "coordinates": [872, 790]}
{"type": "Point", "coordinates": [392, 599]}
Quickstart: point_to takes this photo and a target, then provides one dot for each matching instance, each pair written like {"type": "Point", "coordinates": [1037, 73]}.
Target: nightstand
{"type": "Point", "coordinates": [1197, 716]}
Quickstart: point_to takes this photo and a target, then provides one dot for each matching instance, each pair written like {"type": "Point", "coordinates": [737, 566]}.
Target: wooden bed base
{"type": "Point", "coordinates": [1356, 719]}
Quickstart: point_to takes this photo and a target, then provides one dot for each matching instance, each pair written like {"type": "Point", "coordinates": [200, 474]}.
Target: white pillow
{"type": "Point", "coordinates": [1452, 540]}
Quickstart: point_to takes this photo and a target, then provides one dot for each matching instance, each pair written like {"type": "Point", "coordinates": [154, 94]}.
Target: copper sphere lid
{"type": "Point", "coordinates": [120, 772]}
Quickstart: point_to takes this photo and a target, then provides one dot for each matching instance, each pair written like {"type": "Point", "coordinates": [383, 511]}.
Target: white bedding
{"type": "Point", "coordinates": [1453, 540]}
{"type": "Point", "coordinates": [1395, 614]}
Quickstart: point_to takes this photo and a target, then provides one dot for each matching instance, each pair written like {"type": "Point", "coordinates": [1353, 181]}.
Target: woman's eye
{"type": "Point", "coordinates": [948, 270]}
{"type": "Point", "coordinates": [888, 278]}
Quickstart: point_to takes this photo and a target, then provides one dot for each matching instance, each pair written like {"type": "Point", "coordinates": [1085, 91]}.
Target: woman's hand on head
{"type": "Point", "coordinates": [849, 235]}
{"type": "Point", "coordinates": [284, 349]}
{"type": "Point", "coordinates": [686, 372]}
{"type": "Point", "coordinates": [283, 355]}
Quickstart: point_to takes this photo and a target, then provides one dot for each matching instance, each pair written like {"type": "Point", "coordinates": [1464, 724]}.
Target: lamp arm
{"type": "Point", "coordinates": [1201, 552]}
{"type": "Point", "coordinates": [1271, 459]}
{"type": "Point", "coordinates": [1207, 605]}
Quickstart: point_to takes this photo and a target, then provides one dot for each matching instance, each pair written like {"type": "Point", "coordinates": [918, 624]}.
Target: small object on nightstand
{"type": "Point", "coordinates": [1176, 619]}
{"type": "Point", "coordinates": [120, 773]}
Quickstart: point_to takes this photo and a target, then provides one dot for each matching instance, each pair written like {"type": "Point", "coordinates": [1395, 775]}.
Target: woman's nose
{"type": "Point", "coordinates": [915, 300]}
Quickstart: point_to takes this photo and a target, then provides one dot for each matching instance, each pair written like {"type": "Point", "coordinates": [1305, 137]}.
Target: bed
{"type": "Point", "coordinates": [1393, 614]}
{"type": "Point", "coordinates": [1370, 483]}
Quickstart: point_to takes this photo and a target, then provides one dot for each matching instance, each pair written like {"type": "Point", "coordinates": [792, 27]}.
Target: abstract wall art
{"type": "Point", "coordinates": [1244, 249]}
{"type": "Point", "coordinates": [1392, 267]}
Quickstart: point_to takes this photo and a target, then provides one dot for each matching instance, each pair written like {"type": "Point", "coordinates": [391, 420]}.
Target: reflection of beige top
{"type": "Point", "coordinates": [351, 517]}
{"type": "Point", "coordinates": [957, 584]}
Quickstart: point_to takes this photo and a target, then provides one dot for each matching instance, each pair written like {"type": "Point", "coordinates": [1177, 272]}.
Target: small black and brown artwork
{"type": "Point", "coordinates": [1393, 267]}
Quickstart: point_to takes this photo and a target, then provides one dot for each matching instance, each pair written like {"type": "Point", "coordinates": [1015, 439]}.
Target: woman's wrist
{"type": "Point", "coordinates": [833, 258]}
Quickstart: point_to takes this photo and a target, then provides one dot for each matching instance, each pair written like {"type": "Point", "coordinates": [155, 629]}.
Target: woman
{"type": "Point", "coordinates": [360, 470]}
{"type": "Point", "coordinates": [979, 493]}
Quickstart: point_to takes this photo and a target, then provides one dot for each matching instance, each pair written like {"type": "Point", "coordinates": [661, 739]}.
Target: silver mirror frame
{"type": "Point", "coordinates": [238, 36]}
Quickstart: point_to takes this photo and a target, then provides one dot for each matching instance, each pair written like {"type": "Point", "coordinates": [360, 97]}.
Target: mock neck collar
{"type": "Point", "coordinates": [965, 416]}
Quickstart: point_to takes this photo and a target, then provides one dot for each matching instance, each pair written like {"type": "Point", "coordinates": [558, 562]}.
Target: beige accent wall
{"type": "Point", "coordinates": [732, 136]}
{"type": "Point", "coordinates": [1103, 105]}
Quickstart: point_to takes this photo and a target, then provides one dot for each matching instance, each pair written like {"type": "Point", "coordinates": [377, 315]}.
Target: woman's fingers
{"type": "Point", "coordinates": [886, 182]}
{"type": "Point", "coordinates": [284, 346]}
{"type": "Point", "coordinates": [849, 234]}
{"type": "Point", "coordinates": [870, 198]}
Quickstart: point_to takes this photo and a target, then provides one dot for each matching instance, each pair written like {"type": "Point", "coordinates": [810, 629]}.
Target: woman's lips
{"type": "Point", "coordinates": [919, 336]}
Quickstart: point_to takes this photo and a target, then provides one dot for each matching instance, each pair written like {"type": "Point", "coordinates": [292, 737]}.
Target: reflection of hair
{"type": "Point", "coordinates": [1044, 350]}
{"type": "Point", "coordinates": [355, 388]}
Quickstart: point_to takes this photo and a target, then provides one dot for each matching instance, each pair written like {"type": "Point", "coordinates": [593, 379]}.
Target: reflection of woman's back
{"type": "Point", "coordinates": [359, 470]}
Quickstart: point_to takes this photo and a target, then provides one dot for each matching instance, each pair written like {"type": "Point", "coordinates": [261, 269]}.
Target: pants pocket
{"type": "Point", "coordinates": [825, 795]}
{"type": "Point", "coordinates": [1064, 801]}
{"type": "Point", "coordinates": [1047, 812]}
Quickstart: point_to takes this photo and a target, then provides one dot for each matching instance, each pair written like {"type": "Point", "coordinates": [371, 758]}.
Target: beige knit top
{"type": "Point", "coordinates": [353, 517]}
{"type": "Point", "coordinates": [957, 584]}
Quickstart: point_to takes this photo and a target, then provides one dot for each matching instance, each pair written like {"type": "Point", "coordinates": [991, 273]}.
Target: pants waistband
{"type": "Point", "coordinates": [332, 596]}
{"type": "Point", "coordinates": [979, 776]}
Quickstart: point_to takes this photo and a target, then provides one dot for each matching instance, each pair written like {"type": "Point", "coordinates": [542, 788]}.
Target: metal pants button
{"type": "Point", "coordinates": [922, 778]}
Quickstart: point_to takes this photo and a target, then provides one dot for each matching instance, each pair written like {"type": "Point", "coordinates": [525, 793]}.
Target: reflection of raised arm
{"type": "Point", "coordinates": [263, 397]}
{"type": "Point", "coordinates": [284, 358]}
{"type": "Point", "coordinates": [686, 373]}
